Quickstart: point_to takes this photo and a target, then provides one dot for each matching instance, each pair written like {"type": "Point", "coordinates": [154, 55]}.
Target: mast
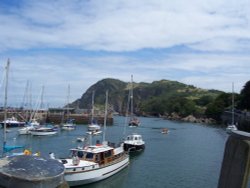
{"type": "Point", "coordinates": [5, 100]}
{"type": "Point", "coordinates": [68, 103]}
{"type": "Point", "coordinates": [232, 103]}
{"type": "Point", "coordinates": [105, 116]}
{"type": "Point", "coordinates": [131, 96]}
{"type": "Point", "coordinates": [92, 110]}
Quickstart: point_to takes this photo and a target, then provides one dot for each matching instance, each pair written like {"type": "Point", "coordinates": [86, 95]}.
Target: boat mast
{"type": "Point", "coordinates": [132, 112]}
{"type": "Point", "coordinates": [5, 101]}
{"type": "Point", "coordinates": [68, 103]}
{"type": "Point", "coordinates": [232, 103]}
{"type": "Point", "coordinates": [92, 110]}
{"type": "Point", "coordinates": [105, 116]}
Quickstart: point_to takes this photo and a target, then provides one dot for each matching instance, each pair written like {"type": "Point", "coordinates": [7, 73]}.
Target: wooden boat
{"type": "Point", "coordinates": [94, 162]}
{"type": "Point", "coordinates": [134, 142]}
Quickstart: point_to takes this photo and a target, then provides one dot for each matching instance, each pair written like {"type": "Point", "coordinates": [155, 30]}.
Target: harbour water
{"type": "Point", "coordinates": [189, 156]}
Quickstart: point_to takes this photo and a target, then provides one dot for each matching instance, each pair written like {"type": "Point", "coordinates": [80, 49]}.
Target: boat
{"type": "Point", "coordinates": [93, 126]}
{"type": "Point", "coordinates": [165, 131]}
{"type": "Point", "coordinates": [7, 148]}
{"type": "Point", "coordinates": [12, 122]}
{"type": "Point", "coordinates": [44, 131]}
{"type": "Point", "coordinates": [26, 129]}
{"type": "Point", "coordinates": [232, 127]}
{"type": "Point", "coordinates": [93, 163]}
{"type": "Point", "coordinates": [69, 124]}
{"type": "Point", "coordinates": [134, 143]}
{"type": "Point", "coordinates": [134, 121]}
{"type": "Point", "coordinates": [80, 139]}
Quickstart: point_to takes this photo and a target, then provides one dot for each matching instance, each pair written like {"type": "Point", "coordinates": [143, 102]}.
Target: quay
{"type": "Point", "coordinates": [235, 169]}
{"type": "Point", "coordinates": [56, 116]}
{"type": "Point", "coordinates": [30, 171]}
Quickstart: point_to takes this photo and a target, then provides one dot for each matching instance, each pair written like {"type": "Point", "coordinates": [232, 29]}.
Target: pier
{"type": "Point", "coordinates": [235, 169]}
{"type": "Point", "coordinates": [55, 116]}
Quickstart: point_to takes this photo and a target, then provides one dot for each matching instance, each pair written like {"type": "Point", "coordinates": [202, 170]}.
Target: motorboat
{"type": "Point", "coordinates": [44, 131]}
{"type": "Point", "coordinates": [165, 131]}
{"type": "Point", "coordinates": [134, 122]}
{"type": "Point", "coordinates": [94, 163]}
{"type": "Point", "coordinates": [133, 143]}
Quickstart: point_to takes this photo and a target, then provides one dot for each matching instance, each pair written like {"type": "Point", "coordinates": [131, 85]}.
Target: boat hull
{"type": "Point", "coordinates": [34, 133]}
{"type": "Point", "coordinates": [133, 147]}
{"type": "Point", "coordinates": [9, 125]}
{"type": "Point", "coordinates": [75, 178]}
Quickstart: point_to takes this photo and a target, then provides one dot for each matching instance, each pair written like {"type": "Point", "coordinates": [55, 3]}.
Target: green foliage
{"type": "Point", "coordinates": [245, 97]}
{"type": "Point", "coordinates": [216, 108]}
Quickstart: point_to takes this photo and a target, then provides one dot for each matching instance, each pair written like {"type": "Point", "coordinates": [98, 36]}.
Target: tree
{"type": "Point", "coordinates": [245, 97]}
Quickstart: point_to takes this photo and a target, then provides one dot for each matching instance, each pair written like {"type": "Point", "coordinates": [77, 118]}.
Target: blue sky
{"type": "Point", "coordinates": [204, 43]}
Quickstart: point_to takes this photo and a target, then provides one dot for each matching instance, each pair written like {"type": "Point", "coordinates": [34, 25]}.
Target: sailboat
{"type": "Point", "coordinates": [134, 121]}
{"type": "Point", "coordinates": [94, 162]}
{"type": "Point", "coordinates": [7, 148]}
{"type": "Point", "coordinates": [232, 127]}
{"type": "Point", "coordinates": [93, 127]}
{"type": "Point", "coordinates": [69, 124]}
{"type": "Point", "coordinates": [133, 142]}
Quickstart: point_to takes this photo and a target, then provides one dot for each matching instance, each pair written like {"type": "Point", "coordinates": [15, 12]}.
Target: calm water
{"type": "Point", "coordinates": [189, 156]}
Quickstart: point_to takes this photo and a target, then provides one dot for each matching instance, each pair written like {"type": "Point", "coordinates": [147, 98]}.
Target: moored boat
{"type": "Point", "coordinates": [94, 163]}
{"type": "Point", "coordinates": [12, 122]}
{"type": "Point", "coordinates": [134, 143]}
{"type": "Point", "coordinates": [43, 131]}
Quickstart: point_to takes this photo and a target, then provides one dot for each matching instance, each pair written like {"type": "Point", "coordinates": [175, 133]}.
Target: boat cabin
{"type": "Point", "coordinates": [99, 154]}
{"type": "Point", "coordinates": [134, 137]}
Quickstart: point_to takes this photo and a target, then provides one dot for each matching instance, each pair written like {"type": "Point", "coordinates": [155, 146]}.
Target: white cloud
{"type": "Point", "coordinates": [56, 43]}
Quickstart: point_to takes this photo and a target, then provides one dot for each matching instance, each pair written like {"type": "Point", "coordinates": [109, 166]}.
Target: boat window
{"type": "Point", "coordinates": [135, 138]}
{"type": "Point", "coordinates": [80, 154]}
{"type": "Point", "coordinates": [89, 156]}
{"type": "Point", "coordinates": [108, 153]}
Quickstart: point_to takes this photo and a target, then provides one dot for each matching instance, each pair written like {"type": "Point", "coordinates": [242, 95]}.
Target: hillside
{"type": "Point", "coordinates": [156, 98]}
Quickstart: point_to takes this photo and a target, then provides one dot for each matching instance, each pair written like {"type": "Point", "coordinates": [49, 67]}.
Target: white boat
{"type": "Point", "coordinates": [69, 124]}
{"type": "Point", "coordinates": [232, 127]}
{"type": "Point", "coordinates": [93, 126]}
{"type": "Point", "coordinates": [133, 143]}
{"type": "Point", "coordinates": [43, 131]}
{"type": "Point", "coordinates": [25, 130]}
{"type": "Point", "coordinates": [94, 162]}
{"type": "Point", "coordinates": [80, 139]}
{"type": "Point", "coordinates": [97, 132]}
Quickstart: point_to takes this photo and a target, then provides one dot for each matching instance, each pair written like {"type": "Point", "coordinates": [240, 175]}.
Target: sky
{"type": "Point", "coordinates": [53, 44]}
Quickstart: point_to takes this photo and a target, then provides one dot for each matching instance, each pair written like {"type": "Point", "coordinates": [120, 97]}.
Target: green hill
{"type": "Point", "coordinates": [156, 98]}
